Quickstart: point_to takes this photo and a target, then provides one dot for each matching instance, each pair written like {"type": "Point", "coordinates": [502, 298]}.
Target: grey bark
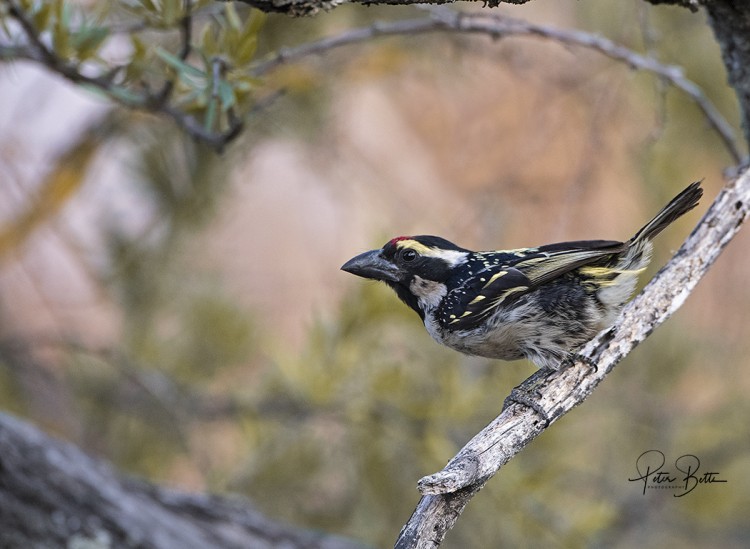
{"type": "Point", "coordinates": [730, 21]}
{"type": "Point", "coordinates": [53, 495]}
{"type": "Point", "coordinates": [312, 7]}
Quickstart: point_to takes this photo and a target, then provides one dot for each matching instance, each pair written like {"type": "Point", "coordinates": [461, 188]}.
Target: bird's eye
{"type": "Point", "coordinates": [409, 255]}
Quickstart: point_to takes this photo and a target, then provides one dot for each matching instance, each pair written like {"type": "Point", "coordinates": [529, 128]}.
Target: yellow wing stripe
{"type": "Point", "coordinates": [494, 277]}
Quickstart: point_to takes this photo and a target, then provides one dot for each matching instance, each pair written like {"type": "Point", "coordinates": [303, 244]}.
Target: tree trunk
{"type": "Point", "coordinates": [53, 495]}
{"type": "Point", "coordinates": [730, 22]}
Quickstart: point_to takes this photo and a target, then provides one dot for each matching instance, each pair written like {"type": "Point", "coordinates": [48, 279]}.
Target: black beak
{"type": "Point", "coordinates": [372, 265]}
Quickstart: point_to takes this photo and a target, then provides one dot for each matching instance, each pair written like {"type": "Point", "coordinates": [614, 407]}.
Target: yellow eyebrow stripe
{"type": "Point", "coordinates": [418, 247]}
{"type": "Point", "coordinates": [452, 257]}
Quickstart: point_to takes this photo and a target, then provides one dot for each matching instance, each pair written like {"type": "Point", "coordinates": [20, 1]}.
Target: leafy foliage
{"type": "Point", "coordinates": [200, 74]}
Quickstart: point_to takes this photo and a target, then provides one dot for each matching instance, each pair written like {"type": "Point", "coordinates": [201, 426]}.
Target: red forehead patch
{"type": "Point", "coordinates": [393, 241]}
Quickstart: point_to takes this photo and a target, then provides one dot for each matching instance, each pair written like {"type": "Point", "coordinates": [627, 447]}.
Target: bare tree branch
{"type": "Point", "coordinates": [312, 7]}
{"type": "Point", "coordinates": [53, 495]}
{"type": "Point", "coordinates": [498, 26]}
{"type": "Point", "coordinates": [731, 25]}
{"type": "Point", "coordinates": [447, 492]}
{"type": "Point", "coordinates": [441, 20]}
{"type": "Point", "coordinates": [38, 51]}
{"type": "Point", "coordinates": [186, 35]}
{"type": "Point", "coordinates": [728, 19]}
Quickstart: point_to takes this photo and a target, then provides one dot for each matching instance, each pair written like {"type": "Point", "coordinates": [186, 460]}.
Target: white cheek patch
{"type": "Point", "coordinates": [428, 292]}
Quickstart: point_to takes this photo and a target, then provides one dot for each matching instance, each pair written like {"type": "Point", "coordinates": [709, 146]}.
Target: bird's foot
{"type": "Point", "coordinates": [572, 358]}
{"type": "Point", "coordinates": [528, 399]}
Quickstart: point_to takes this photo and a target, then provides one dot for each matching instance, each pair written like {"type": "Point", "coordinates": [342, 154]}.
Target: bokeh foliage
{"type": "Point", "coordinates": [187, 59]}
{"type": "Point", "coordinates": [199, 390]}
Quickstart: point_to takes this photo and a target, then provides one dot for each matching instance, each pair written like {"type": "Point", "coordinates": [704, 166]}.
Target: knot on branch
{"type": "Point", "coordinates": [461, 472]}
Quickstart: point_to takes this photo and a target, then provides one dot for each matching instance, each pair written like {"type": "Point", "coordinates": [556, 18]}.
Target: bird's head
{"type": "Point", "coordinates": [418, 268]}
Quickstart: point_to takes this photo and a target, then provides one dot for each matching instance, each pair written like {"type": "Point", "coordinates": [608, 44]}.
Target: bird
{"type": "Point", "coordinates": [539, 303]}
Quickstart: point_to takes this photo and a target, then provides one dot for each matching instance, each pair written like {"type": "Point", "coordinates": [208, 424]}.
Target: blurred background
{"type": "Point", "coordinates": [182, 313]}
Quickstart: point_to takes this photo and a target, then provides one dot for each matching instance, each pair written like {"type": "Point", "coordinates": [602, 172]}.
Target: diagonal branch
{"type": "Point", "coordinates": [186, 36]}
{"type": "Point", "coordinates": [447, 492]}
{"type": "Point", "coordinates": [312, 7]}
{"type": "Point", "coordinates": [38, 51]}
{"type": "Point", "coordinates": [498, 26]}
{"type": "Point", "coordinates": [440, 20]}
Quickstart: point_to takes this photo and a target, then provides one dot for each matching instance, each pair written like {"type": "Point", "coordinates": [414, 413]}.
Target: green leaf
{"type": "Point", "coordinates": [245, 83]}
{"type": "Point", "coordinates": [255, 22]}
{"type": "Point", "coordinates": [118, 93]}
{"type": "Point", "coordinates": [144, 9]}
{"type": "Point", "coordinates": [246, 51]}
{"type": "Point", "coordinates": [139, 48]}
{"type": "Point", "coordinates": [42, 16]}
{"type": "Point", "coordinates": [210, 118]}
{"type": "Point", "coordinates": [87, 40]}
{"type": "Point", "coordinates": [171, 11]}
{"type": "Point", "coordinates": [60, 32]}
{"type": "Point", "coordinates": [181, 66]}
{"type": "Point", "coordinates": [149, 5]}
{"type": "Point", "coordinates": [232, 18]}
{"type": "Point", "coordinates": [208, 41]}
{"type": "Point", "coordinates": [226, 94]}
{"type": "Point", "coordinates": [201, 4]}
{"type": "Point", "coordinates": [125, 95]}
{"type": "Point", "coordinates": [4, 23]}
{"type": "Point", "coordinates": [195, 99]}
{"type": "Point", "coordinates": [64, 14]}
{"type": "Point", "coordinates": [137, 65]}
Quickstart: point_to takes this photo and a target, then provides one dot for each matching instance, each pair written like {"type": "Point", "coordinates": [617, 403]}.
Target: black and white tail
{"type": "Point", "coordinates": [678, 206]}
{"type": "Point", "coordinates": [638, 249]}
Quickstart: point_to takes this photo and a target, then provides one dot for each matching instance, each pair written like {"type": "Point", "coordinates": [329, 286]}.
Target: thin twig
{"type": "Point", "coordinates": [39, 52]}
{"type": "Point", "coordinates": [186, 36]}
{"type": "Point", "coordinates": [440, 20]}
{"type": "Point", "coordinates": [157, 102]}
{"type": "Point", "coordinates": [499, 26]}
{"type": "Point", "coordinates": [40, 49]}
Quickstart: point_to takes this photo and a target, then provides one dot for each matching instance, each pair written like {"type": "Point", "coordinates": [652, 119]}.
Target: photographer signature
{"type": "Point", "coordinates": [649, 466]}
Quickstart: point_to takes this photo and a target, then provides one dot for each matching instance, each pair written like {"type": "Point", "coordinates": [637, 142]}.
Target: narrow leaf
{"type": "Point", "coordinates": [226, 94]}
{"type": "Point", "coordinates": [232, 18]}
{"type": "Point", "coordinates": [178, 64]}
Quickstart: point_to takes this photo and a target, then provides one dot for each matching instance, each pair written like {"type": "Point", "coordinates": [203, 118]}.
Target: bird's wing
{"type": "Point", "coordinates": [510, 275]}
{"type": "Point", "coordinates": [554, 260]}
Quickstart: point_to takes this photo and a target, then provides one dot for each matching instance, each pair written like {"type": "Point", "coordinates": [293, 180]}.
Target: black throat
{"type": "Point", "coordinates": [407, 297]}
